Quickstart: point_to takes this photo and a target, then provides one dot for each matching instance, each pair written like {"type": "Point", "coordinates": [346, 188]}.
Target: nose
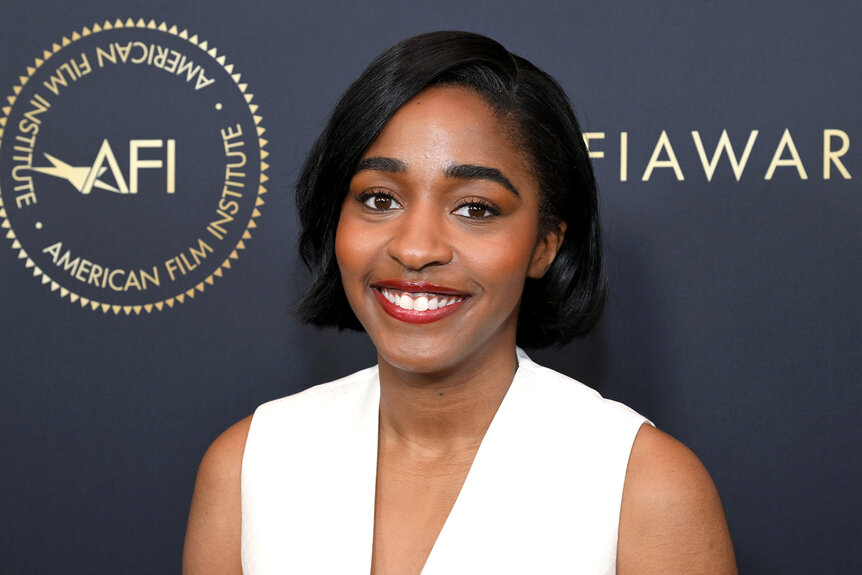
{"type": "Point", "coordinates": [420, 239]}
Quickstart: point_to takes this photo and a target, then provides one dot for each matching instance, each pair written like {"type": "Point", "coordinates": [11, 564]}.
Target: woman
{"type": "Point", "coordinates": [449, 210]}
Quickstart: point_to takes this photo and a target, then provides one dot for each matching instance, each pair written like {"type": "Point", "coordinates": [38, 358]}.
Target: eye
{"type": "Point", "coordinates": [379, 201]}
{"type": "Point", "coordinates": [476, 209]}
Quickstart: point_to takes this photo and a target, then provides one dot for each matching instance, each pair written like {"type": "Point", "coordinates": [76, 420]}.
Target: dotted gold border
{"type": "Point", "coordinates": [253, 108]}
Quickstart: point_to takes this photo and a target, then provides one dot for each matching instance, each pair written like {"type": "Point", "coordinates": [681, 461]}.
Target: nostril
{"type": "Point", "coordinates": [417, 248]}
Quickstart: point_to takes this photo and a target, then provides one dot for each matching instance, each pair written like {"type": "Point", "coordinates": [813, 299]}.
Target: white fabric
{"type": "Point", "coordinates": [543, 494]}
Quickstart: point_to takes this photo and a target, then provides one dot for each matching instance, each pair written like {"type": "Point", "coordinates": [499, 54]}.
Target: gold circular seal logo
{"type": "Point", "coordinates": [132, 166]}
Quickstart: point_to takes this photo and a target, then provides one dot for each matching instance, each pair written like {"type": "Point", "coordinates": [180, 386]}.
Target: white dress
{"type": "Point", "coordinates": [543, 494]}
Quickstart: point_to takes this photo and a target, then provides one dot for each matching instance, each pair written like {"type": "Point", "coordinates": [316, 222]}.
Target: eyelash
{"type": "Point", "coordinates": [367, 195]}
{"type": "Point", "coordinates": [490, 209]}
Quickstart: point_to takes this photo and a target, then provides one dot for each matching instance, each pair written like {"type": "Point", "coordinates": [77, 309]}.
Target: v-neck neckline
{"type": "Point", "coordinates": [462, 500]}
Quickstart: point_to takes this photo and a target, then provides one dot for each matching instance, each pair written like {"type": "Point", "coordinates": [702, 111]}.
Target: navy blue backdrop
{"type": "Point", "coordinates": [734, 323]}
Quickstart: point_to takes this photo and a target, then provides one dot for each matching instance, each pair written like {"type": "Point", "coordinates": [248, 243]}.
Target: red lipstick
{"type": "Point", "coordinates": [432, 302]}
{"type": "Point", "coordinates": [419, 287]}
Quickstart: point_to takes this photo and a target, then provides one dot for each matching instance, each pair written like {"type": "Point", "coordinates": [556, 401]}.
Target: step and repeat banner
{"type": "Point", "coordinates": [148, 267]}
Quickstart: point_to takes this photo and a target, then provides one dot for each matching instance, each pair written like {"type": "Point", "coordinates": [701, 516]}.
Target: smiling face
{"type": "Point", "coordinates": [438, 232]}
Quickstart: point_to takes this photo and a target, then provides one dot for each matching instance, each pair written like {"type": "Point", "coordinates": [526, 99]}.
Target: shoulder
{"type": "Point", "coordinates": [671, 519]}
{"type": "Point", "coordinates": [222, 461]}
{"type": "Point", "coordinates": [213, 534]}
{"type": "Point", "coordinates": [578, 406]}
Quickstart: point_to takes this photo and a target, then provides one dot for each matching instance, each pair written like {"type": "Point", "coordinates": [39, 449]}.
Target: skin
{"type": "Point", "coordinates": [442, 382]}
{"type": "Point", "coordinates": [213, 534]}
{"type": "Point", "coordinates": [408, 215]}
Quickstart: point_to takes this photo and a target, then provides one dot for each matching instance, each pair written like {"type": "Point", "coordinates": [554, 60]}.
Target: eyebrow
{"type": "Point", "coordinates": [460, 171]}
{"type": "Point", "coordinates": [472, 172]}
{"type": "Point", "coordinates": [380, 164]}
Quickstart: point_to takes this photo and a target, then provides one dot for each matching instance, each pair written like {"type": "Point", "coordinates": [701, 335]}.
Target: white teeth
{"type": "Point", "coordinates": [418, 302]}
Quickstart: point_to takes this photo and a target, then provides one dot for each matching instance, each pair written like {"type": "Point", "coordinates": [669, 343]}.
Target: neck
{"type": "Point", "coordinates": [445, 411]}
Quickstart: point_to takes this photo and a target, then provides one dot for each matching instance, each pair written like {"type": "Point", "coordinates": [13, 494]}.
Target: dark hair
{"type": "Point", "coordinates": [568, 300]}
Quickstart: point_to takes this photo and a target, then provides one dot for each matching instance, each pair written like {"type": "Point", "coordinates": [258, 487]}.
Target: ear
{"type": "Point", "coordinates": [546, 250]}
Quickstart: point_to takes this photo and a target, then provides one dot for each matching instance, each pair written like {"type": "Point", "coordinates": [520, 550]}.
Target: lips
{"type": "Point", "coordinates": [418, 302]}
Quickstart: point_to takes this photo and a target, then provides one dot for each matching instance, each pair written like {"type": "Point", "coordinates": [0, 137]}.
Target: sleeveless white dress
{"type": "Point", "coordinates": [543, 494]}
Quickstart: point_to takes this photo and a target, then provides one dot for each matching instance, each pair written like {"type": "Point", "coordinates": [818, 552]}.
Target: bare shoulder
{"type": "Point", "coordinates": [671, 519]}
{"type": "Point", "coordinates": [213, 534]}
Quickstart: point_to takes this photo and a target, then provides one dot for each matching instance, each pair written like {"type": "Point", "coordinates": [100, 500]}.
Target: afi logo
{"type": "Point", "coordinates": [85, 178]}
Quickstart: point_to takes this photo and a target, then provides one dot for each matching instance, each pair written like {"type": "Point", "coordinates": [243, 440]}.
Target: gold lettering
{"type": "Point", "coordinates": [101, 56]}
{"type": "Point", "coordinates": [663, 144]}
{"type": "Point", "coordinates": [831, 156]}
{"type": "Point", "coordinates": [161, 54]}
{"type": "Point", "coordinates": [136, 163]}
{"type": "Point", "coordinates": [83, 270]}
{"type": "Point", "coordinates": [151, 278]}
{"type": "Point", "coordinates": [203, 81]}
{"type": "Point", "coordinates": [143, 57]}
{"type": "Point", "coordinates": [723, 146]}
{"type": "Point", "coordinates": [105, 154]}
{"type": "Point", "coordinates": [588, 137]}
{"type": "Point", "coordinates": [200, 254]}
{"type": "Point", "coordinates": [101, 276]}
{"type": "Point", "coordinates": [54, 250]}
{"type": "Point", "coordinates": [96, 273]}
{"type": "Point", "coordinates": [66, 72]}
{"type": "Point", "coordinates": [624, 156]}
{"type": "Point", "coordinates": [123, 51]}
{"type": "Point", "coordinates": [131, 281]}
{"type": "Point", "coordinates": [186, 262]}
{"type": "Point", "coordinates": [40, 105]}
{"type": "Point", "coordinates": [54, 81]}
{"type": "Point", "coordinates": [230, 133]}
{"type": "Point", "coordinates": [793, 160]}
{"type": "Point", "coordinates": [171, 267]}
{"type": "Point", "coordinates": [176, 64]}
{"type": "Point", "coordinates": [215, 227]}
{"type": "Point", "coordinates": [67, 263]}
{"type": "Point", "coordinates": [83, 67]}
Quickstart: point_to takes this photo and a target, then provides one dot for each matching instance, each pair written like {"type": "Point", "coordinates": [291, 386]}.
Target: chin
{"type": "Point", "coordinates": [417, 359]}
{"type": "Point", "coordinates": [418, 355]}
{"type": "Point", "coordinates": [442, 354]}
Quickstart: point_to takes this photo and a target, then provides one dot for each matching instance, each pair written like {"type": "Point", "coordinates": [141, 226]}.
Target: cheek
{"type": "Point", "coordinates": [345, 250]}
{"type": "Point", "coordinates": [354, 249]}
{"type": "Point", "coordinates": [339, 242]}
{"type": "Point", "coordinates": [504, 263]}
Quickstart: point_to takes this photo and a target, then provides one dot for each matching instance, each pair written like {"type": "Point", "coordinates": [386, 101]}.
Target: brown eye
{"type": "Point", "coordinates": [476, 211]}
{"type": "Point", "coordinates": [380, 202]}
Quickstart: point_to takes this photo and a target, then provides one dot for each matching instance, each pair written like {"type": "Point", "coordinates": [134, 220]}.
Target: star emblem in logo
{"type": "Point", "coordinates": [75, 175]}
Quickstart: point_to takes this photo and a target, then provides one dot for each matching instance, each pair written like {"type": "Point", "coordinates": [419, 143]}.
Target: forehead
{"type": "Point", "coordinates": [453, 119]}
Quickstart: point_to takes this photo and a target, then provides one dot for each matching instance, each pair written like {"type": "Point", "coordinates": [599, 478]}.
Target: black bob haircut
{"type": "Point", "coordinates": [568, 300]}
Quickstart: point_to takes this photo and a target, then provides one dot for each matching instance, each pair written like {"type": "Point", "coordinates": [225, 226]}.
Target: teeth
{"type": "Point", "coordinates": [421, 302]}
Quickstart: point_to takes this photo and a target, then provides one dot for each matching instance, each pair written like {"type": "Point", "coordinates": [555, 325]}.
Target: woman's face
{"type": "Point", "coordinates": [438, 231]}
